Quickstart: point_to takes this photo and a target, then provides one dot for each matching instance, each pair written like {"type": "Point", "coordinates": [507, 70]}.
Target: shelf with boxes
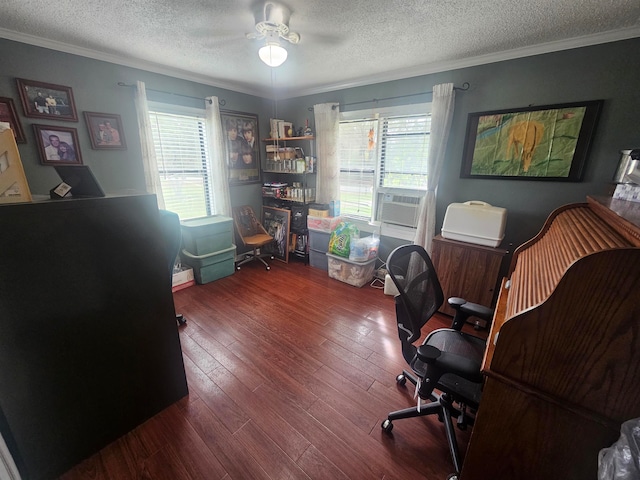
{"type": "Point", "coordinates": [289, 174]}
{"type": "Point", "coordinates": [290, 183]}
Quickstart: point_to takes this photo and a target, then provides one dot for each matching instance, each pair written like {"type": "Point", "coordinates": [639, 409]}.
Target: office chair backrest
{"type": "Point", "coordinates": [172, 233]}
{"type": "Point", "coordinates": [420, 294]}
{"type": "Point", "coordinates": [246, 222]}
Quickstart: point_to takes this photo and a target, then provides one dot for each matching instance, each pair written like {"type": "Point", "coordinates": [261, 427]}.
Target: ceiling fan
{"type": "Point", "coordinates": [272, 24]}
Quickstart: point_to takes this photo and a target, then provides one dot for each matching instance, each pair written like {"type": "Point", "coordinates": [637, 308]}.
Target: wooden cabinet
{"type": "Point", "coordinates": [466, 270]}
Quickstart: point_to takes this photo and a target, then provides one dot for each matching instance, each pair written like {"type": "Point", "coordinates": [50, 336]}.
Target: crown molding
{"type": "Point", "coordinates": [438, 67]}
{"type": "Point", "coordinates": [128, 62]}
{"type": "Point", "coordinates": [426, 69]}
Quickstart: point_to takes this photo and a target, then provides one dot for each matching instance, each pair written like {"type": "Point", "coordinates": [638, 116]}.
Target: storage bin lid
{"type": "Point", "coordinates": [204, 221]}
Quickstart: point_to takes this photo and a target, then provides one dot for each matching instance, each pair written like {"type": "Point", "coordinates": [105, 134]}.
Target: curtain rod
{"type": "Point", "coordinates": [465, 86]}
{"type": "Point", "coordinates": [222, 103]}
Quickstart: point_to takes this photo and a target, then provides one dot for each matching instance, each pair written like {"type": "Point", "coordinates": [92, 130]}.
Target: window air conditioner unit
{"type": "Point", "coordinates": [400, 209]}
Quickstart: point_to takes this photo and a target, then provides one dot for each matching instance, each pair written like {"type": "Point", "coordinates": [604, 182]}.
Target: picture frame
{"type": "Point", "coordinates": [241, 139]}
{"type": "Point", "coordinates": [64, 151]}
{"type": "Point", "coordinates": [8, 114]}
{"type": "Point", "coordinates": [277, 223]}
{"type": "Point", "coordinates": [105, 131]}
{"type": "Point", "coordinates": [548, 142]}
{"type": "Point", "coordinates": [47, 100]}
{"type": "Point", "coordinates": [13, 182]}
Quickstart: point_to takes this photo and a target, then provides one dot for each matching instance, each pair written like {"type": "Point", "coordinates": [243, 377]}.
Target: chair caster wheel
{"type": "Point", "coordinates": [387, 426]}
{"type": "Point", "coordinates": [181, 320]}
{"type": "Point", "coordinates": [272, 257]}
{"type": "Point", "coordinates": [453, 476]}
{"type": "Point", "coordinates": [401, 380]}
{"type": "Point", "coordinates": [268, 268]}
{"type": "Point", "coordinates": [237, 268]}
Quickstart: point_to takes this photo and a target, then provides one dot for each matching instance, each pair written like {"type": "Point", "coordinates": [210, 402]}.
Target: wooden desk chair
{"type": "Point", "coordinates": [252, 234]}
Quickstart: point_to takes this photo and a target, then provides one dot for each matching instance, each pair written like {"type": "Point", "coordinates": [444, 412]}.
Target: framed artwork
{"type": "Point", "coordinates": [277, 222]}
{"type": "Point", "coordinates": [58, 145]}
{"type": "Point", "coordinates": [549, 142]}
{"type": "Point", "coordinates": [105, 131]}
{"type": "Point", "coordinates": [241, 136]}
{"type": "Point", "coordinates": [8, 115]}
{"type": "Point", "coordinates": [46, 100]}
{"type": "Point", "coordinates": [13, 183]}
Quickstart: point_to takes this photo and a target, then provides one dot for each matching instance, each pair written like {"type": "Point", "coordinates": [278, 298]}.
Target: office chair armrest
{"type": "Point", "coordinates": [465, 309]}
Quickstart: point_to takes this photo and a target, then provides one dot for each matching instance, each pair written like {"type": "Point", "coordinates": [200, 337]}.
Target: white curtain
{"type": "Point", "coordinates": [149, 161]}
{"type": "Point", "coordinates": [219, 168]}
{"type": "Point", "coordinates": [327, 120]}
{"type": "Point", "coordinates": [441, 117]}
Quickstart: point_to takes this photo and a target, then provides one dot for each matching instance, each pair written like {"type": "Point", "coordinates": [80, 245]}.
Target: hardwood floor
{"type": "Point", "coordinates": [290, 374]}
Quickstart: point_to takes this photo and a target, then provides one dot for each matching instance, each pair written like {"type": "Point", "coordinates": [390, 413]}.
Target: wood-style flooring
{"type": "Point", "coordinates": [290, 375]}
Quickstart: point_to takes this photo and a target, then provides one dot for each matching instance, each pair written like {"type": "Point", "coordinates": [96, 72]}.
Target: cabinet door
{"type": "Point", "coordinates": [466, 270]}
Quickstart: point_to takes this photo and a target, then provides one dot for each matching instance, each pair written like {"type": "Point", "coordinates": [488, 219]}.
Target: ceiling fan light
{"type": "Point", "coordinates": [273, 54]}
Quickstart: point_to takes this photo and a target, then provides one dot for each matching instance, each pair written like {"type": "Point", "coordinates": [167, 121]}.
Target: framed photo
{"type": "Point", "coordinates": [241, 136]}
{"type": "Point", "coordinates": [58, 145]}
{"type": "Point", "coordinates": [549, 142]}
{"type": "Point", "coordinates": [105, 131]}
{"type": "Point", "coordinates": [276, 222]}
{"type": "Point", "coordinates": [8, 114]}
{"type": "Point", "coordinates": [46, 100]}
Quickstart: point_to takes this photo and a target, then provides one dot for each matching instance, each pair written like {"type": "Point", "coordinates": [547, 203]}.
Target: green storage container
{"type": "Point", "coordinates": [205, 235]}
{"type": "Point", "coordinates": [213, 266]}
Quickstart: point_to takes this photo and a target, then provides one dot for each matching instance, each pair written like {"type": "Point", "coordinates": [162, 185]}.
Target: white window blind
{"type": "Point", "coordinates": [385, 150]}
{"type": "Point", "coordinates": [358, 163]}
{"type": "Point", "coordinates": [403, 152]}
{"type": "Point", "coordinates": [181, 151]}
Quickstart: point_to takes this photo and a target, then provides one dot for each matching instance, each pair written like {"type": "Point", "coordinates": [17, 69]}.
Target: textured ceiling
{"type": "Point", "coordinates": [343, 42]}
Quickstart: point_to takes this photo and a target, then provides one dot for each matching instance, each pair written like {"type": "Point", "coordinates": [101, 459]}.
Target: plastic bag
{"type": "Point", "coordinates": [340, 240]}
{"type": "Point", "coordinates": [363, 249]}
{"type": "Point", "coordinates": [621, 461]}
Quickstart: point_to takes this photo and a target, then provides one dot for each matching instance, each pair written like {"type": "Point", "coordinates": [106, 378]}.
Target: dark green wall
{"type": "Point", "coordinates": [608, 71]}
{"type": "Point", "coordinates": [95, 89]}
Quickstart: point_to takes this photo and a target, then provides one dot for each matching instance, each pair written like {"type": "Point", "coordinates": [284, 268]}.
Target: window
{"type": "Point", "coordinates": [183, 163]}
{"type": "Point", "coordinates": [381, 152]}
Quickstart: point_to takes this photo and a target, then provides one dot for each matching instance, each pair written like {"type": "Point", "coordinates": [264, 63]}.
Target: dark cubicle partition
{"type": "Point", "coordinates": [89, 347]}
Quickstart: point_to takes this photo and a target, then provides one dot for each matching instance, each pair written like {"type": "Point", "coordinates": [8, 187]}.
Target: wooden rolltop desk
{"type": "Point", "coordinates": [562, 364]}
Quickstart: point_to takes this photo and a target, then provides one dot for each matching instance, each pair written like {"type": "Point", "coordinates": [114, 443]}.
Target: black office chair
{"type": "Point", "coordinates": [448, 361]}
{"type": "Point", "coordinates": [172, 233]}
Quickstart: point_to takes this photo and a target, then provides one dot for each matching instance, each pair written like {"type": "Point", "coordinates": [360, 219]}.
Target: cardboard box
{"type": "Point", "coordinates": [182, 279]}
{"type": "Point", "coordinates": [322, 224]}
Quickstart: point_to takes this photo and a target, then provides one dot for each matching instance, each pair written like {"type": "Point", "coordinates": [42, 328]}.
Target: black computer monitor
{"type": "Point", "coordinates": [81, 180]}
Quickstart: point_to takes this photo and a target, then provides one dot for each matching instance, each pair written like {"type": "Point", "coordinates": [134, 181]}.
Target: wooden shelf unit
{"type": "Point", "coordinates": [467, 270]}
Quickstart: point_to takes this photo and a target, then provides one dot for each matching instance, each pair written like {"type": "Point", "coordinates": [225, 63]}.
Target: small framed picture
{"type": "Point", "coordinates": [8, 115]}
{"type": "Point", "coordinates": [105, 131]}
{"type": "Point", "coordinates": [58, 145]}
{"type": "Point", "coordinates": [46, 100]}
